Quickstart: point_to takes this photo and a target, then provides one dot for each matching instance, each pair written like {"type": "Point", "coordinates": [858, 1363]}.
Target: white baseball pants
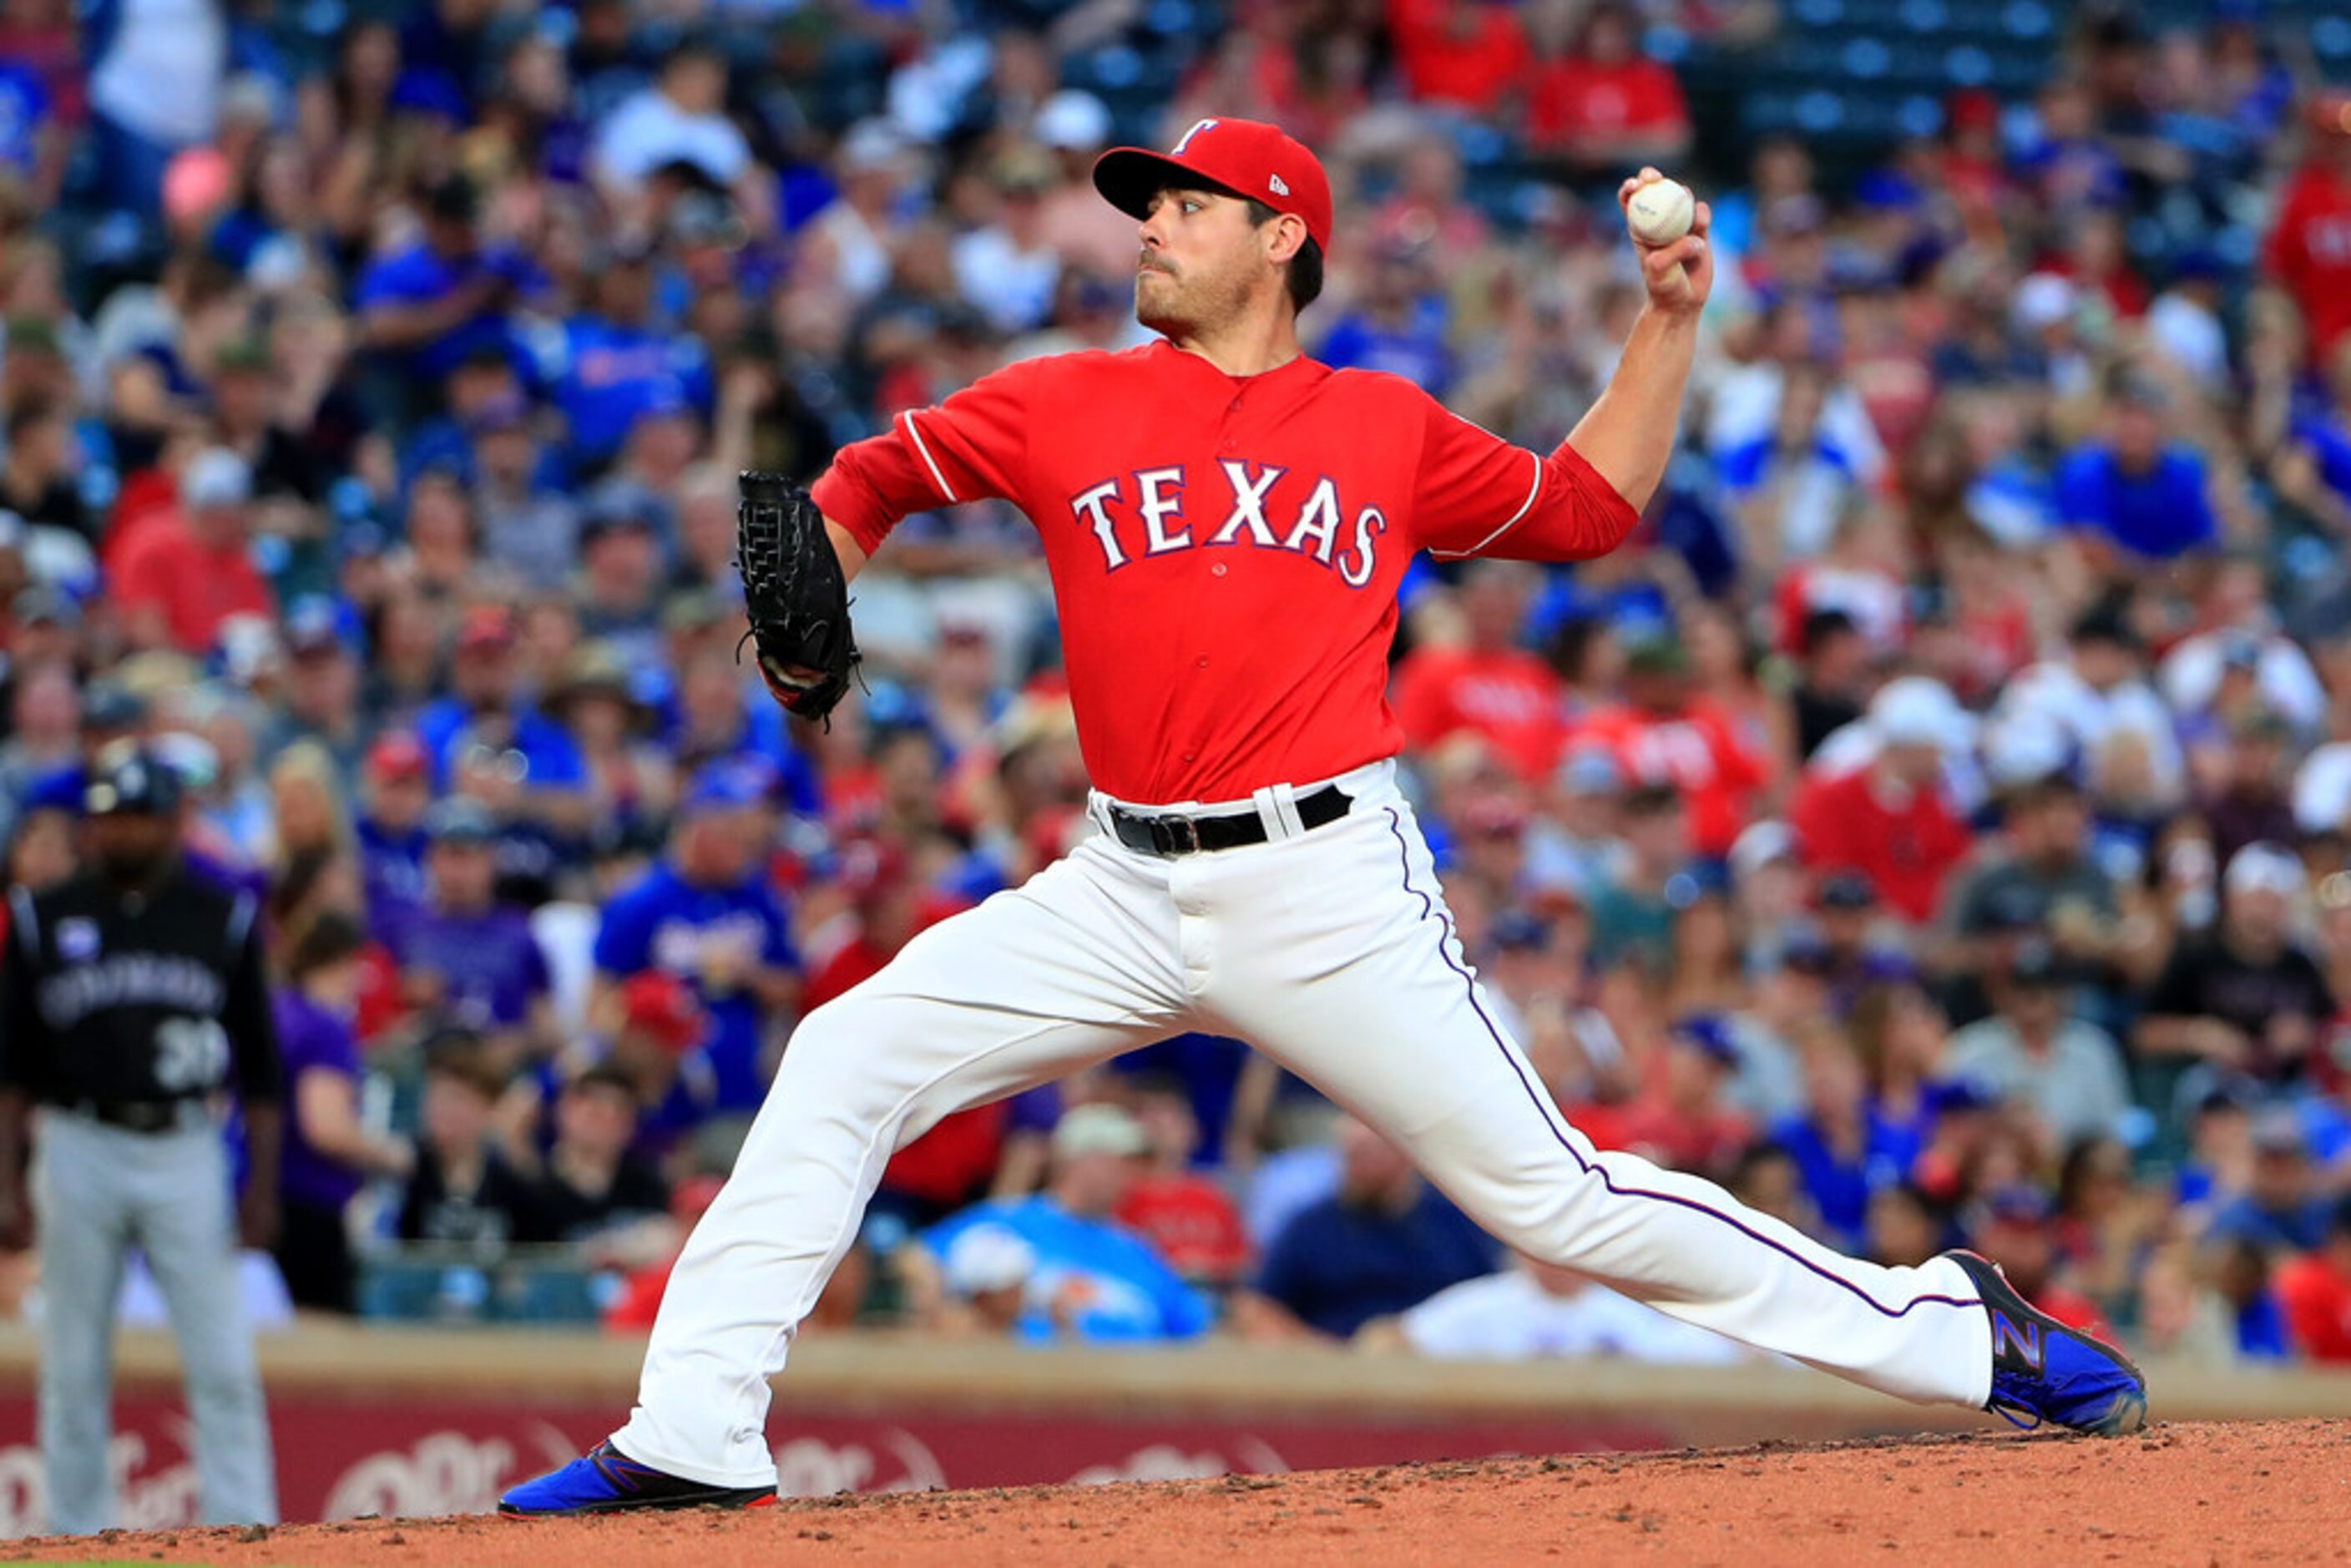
{"type": "Point", "coordinates": [1330, 951]}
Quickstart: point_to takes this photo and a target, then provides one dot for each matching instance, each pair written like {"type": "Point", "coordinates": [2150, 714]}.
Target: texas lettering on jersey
{"type": "Point", "coordinates": [1224, 550]}
{"type": "Point", "coordinates": [1156, 505]}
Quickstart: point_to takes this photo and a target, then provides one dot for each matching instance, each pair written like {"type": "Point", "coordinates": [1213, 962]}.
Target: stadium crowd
{"type": "Point", "coordinates": [1937, 825]}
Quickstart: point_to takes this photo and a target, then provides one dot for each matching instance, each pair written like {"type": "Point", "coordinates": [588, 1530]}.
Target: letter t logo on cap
{"type": "Point", "coordinates": [1197, 127]}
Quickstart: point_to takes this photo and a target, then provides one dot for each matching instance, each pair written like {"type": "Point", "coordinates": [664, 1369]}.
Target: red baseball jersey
{"type": "Point", "coordinates": [1224, 550]}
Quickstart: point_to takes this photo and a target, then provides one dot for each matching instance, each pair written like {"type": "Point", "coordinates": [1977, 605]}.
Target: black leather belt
{"type": "Point", "coordinates": [1169, 837]}
{"type": "Point", "coordinates": [132, 1115]}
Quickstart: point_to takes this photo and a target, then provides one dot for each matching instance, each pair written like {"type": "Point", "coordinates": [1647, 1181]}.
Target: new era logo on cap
{"type": "Point", "coordinates": [1273, 182]}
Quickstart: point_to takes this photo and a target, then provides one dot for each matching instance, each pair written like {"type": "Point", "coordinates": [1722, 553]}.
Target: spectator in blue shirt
{"type": "Point", "coordinates": [1055, 1265]}
{"type": "Point", "coordinates": [439, 300]}
{"type": "Point", "coordinates": [1384, 1242]}
{"type": "Point", "coordinates": [485, 720]}
{"type": "Point", "coordinates": [2137, 490]}
{"type": "Point", "coordinates": [705, 915]}
{"type": "Point", "coordinates": [2281, 1210]}
{"type": "Point", "coordinates": [1400, 325]}
{"type": "Point", "coordinates": [464, 956]}
{"type": "Point", "coordinates": [618, 362]}
{"type": "Point", "coordinates": [32, 147]}
{"type": "Point", "coordinates": [396, 785]}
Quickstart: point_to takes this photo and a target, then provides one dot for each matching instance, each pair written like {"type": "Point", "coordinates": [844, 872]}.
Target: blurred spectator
{"type": "Point", "coordinates": [2307, 250]}
{"type": "Point", "coordinates": [1603, 107]}
{"type": "Point", "coordinates": [2069, 1072]}
{"type": "Point", "coordinates": [593, 1187]}
{"type": "Point", "coordinates": [395, 787]}
{"type": "Point", "coordinates": [704, 916]}
{"type": "Point", "coordinates": [1188, 1220]}
{"type": "Point", "coordinates": [1531, 1310]}
{"type": "Point", "coordinates": [329, 1151]}
{"type": "Point", "coordinates": [464, 957]}
{"type": "Point", "coordinates": [679, 119]}
{"type": "Point", "coordinates": [1076, 1273]}
{"type": "Point", "coordinates": [1486, 683]}
{"type": "Point", "coordinates": [2315, 1290]}
{"type": "Point", "coordinates": [1384, 1242]}
{"type": "Point", "coordinates": [1663, 734]}
{"type": "Point", "coordinates": [2138, 491]}
{"type": "Point", "coordinates": [1634, 914]}
{"type": "Point", "coordinates": [181, 580]}
{"type": "Point", "coordinates": [1459, 54]}
{"type": "Point", "coordinates": [432, 304]}
{"type": "Point", "coordinates": [2015, 1228]}
{"type": "Point", "coordinates": [1831, 680]}
{"type": "Point", "coordinates": [1679, 1119]}
{"type": "Point", "coordinates": [463, 1189]}
{"type": "Point", "coordinates": [2283, 1210]}
{"type": "Point", "coordinates": [2246, 999]}
{"type": "Point", "coordinates": [1889, 819]}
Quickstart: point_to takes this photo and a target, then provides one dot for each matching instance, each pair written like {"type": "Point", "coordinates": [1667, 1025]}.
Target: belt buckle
{"type": "Point", "coordinates": [1183, 836]}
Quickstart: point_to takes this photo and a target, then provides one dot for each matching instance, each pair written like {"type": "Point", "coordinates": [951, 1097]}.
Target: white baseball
{"type": "Point", "coordinates": [1660, 212]}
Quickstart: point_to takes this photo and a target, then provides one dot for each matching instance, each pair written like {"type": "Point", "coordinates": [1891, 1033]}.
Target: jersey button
{"type": "Point", "coordinates": [1204, 661]}
{"type": "Point", "coordinates": [1190, 754]}
{"type": "Point", "coordinates": [1217, 569]}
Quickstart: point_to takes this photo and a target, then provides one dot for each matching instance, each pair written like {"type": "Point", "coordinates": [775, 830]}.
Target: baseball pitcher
{"type": "Point", "coordinates": [1225, 521]}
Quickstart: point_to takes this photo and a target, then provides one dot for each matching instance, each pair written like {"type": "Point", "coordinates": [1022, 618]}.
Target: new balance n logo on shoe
{"type": "Point", "coordinates": [2024, 1338]}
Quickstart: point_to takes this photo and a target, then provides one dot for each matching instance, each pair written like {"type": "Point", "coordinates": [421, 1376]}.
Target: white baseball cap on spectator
{"type": "Point", "coordinates": [1918, 710]}
{"type": "Point", "coordinates": [1073, 122]}
{"type": "Point", "coordinates": [1099, 1130]}
{"type": "Point", "coordinates": [2264, 867]}
{"type": "Point", "coordinates": [2024, 749]}
{"type": "Point", "coordinates": [2042, 301]}
{"type": "Point", "coordinates": [871, 147]}
{"type": "Point", "coordinates": [1762, 844]}
{"type": "Point", "coordinates": [216, 477]}
{"type": "Point", "coordinates": [988, 1257]}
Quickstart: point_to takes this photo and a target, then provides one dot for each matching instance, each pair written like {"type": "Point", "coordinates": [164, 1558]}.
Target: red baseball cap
{"type": "Point", "coordinates": [486, 626]}
{"type": "Point", "coordinates": [397, 755]}
{"type": "Point", "coordinates": [658, 1005]}
{"type": "Point", "coordinates": [1246, 157]}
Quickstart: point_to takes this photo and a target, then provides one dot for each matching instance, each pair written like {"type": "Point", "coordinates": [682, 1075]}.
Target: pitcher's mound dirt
{"type": "Point", "coordinates": [2273, 1491]}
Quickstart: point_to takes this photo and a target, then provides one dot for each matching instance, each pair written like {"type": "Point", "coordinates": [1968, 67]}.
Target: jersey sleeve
{"type": "Point", "coordinates": [974, 446]}
{"type": "Point", "coordinates": [1479, 494]}
{"type": "Point", "coordinates": [20, 1024]}
{"type": "Point", "coordinates": [247, 1015]}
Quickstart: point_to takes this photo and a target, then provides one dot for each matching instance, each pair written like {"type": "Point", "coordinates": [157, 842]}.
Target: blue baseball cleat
{"type": "Point", "coordinates": [2043, 1371]}
{"type": "Point", "coordinates": [607, 1480]}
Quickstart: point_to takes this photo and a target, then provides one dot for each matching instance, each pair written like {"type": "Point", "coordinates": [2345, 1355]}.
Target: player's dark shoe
{"type": "Point", "coordinates": [607, 1480]}
{"type": "Point", "coordinates": [2043, 1371]}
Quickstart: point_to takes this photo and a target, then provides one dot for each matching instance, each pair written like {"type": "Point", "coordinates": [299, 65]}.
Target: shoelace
{"type": "Point", "coordinates": [2009, 1413]}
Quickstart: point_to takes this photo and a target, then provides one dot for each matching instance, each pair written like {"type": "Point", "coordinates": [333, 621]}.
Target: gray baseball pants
{"type": "Point", "coordinates": [101, 1191]}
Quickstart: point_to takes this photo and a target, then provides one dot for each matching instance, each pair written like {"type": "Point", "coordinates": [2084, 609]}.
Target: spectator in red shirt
{"type": "Point", "coordinates": [183, 578]}
{"type": "Point", "coordinates": [1489, 685]}
{"type": "Point", "coordinates": [1604, 106]}
{"type": "Point", "coordinates": [2309, 247]}
{"type": "Point", "coordinates": [1187, 1219]}
{"type": "Point", "coordinates": [2315, 1292]}
{"type": "Point", "coordinates": [957, 1160]}
{"type": "Point", "coordinates": [1463, 53]}
{"type": "Point", "coordinates": [1679, 1119]}
{"type": "Point", "coordinates": [1658, 735]}
{"type": "Point", "coordinates": [1889, 819]}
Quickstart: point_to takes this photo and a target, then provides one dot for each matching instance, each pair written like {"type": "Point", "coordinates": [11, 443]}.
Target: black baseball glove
{"type": "Point", "coordinates": [795, 594]}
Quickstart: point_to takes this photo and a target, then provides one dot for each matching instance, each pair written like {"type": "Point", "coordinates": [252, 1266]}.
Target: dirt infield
{"type": "Point", "coordinates": [2266, 1491]}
